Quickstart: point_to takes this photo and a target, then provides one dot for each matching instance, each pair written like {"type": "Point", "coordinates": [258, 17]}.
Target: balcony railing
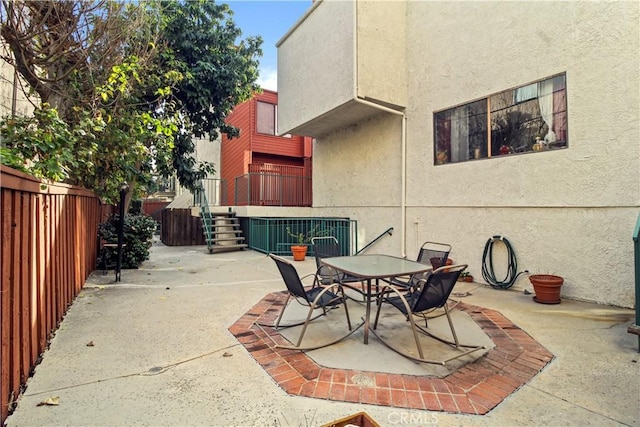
{"type": "Point", "coordinates": [273, 185]}
{"type": "Point", "coordinates": [213, 190]}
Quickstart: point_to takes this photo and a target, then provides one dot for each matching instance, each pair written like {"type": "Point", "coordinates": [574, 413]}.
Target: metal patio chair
{"type": "Point", "coordinates": [431, 253]}
{"type": "Point", "coordinates": [327, 247]}
{"type": "Point", "coordinates": [429, 294]}
{"type": "Point", "coordinates": [325, 297]}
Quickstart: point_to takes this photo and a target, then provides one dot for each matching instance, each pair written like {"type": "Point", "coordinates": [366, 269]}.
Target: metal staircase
{"type": "Point", "coordinates": [221, 229]}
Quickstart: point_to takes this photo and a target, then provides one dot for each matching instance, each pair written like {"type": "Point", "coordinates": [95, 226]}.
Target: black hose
{"type": "Point", "coordinates": [487, 265]}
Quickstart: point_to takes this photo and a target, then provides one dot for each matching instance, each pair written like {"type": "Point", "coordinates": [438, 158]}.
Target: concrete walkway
{"type": "Point", "coordinates": [155, 349]}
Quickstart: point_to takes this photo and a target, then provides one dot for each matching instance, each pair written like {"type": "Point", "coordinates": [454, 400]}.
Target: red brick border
{"type": "Point", "coordinates": [475, 388]}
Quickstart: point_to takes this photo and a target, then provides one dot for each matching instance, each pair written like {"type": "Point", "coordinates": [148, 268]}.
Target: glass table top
{"type": "Point", "coordinates": [375, 266]}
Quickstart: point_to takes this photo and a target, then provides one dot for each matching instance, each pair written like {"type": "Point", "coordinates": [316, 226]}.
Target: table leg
{"type": "Point", "coordinates": [367, 313]}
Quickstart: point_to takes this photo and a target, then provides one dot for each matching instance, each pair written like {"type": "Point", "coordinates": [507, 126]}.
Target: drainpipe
{"type": "Point", "coordinates": [403, 137]}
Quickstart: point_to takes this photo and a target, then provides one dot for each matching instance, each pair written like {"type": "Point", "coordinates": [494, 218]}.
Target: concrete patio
{"type": "Point", "coordinates": [173, 344]}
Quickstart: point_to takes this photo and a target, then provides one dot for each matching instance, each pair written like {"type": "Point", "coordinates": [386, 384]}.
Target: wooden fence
{"type": "Point", "coordinates": [48, 248]}
{"type": "Point", "coordinates": [180, 228]}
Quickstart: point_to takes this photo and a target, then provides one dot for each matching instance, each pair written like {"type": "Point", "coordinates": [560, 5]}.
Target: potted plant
{"type": "Point", "coordinates": [465, 276]}
{"type": "Point", "coordinates": [546, 287]}
{"type": "Point", "coordinates": [302, 240]}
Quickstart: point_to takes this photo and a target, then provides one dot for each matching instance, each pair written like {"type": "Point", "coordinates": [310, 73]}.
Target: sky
{"type": "Point", "coordinates": [270, 19]}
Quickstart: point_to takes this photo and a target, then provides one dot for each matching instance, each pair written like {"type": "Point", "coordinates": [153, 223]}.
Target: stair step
{"type": "Point", "coordinates": [224, 214]}
{"type": "Point", "coordinates": [222, 231]}
{"type": "Point", "coordinates": [216, 223]}
{"type": "Point", "coordinates": [225, 239]}
{"type": "Point", "coordinates": [227, 248]}
{"type": "Point", "coordinates": [217, 219]}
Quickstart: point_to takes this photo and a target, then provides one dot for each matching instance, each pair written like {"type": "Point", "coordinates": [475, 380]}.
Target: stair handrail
{"type": "Point", "coordinates": [388, 231]}
{"type": "Point", "coordinates": [205, 215]}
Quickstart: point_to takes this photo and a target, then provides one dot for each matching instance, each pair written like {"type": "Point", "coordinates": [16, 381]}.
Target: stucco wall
{"type": "Point", "coordinates": [569, 212]}
{"type": "Point", "coordinates": [359, 165]}
{"type": "Point", "coordinates": [381, 51]}
{"type": "Point", "coordinates": [318, 70]}
{"type": "Point", "coordinates": [596, 44]}
{"type": "Point", "coordinates": [7, 94]}
{"type": "Point", "coordinates": [208, 151]}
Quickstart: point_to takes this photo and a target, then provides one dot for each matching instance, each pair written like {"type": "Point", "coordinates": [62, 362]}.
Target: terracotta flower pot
{"type": "Point", "coordinates": [436, 262]}
{"type": "Point", "coordinates": [299, 252]}
{"type": "Point", "coordinates": [547, 288]}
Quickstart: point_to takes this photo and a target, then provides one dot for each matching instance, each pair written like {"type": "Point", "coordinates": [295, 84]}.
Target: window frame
{"type": "Point", "coordinates": [274, 123]}
{"type": "Point", "coordinates": [457, 130]}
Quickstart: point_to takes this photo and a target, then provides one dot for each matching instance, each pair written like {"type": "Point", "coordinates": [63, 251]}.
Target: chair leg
{"type": "Point", "coordinates": [453, 330]}
{"type": "Point", "coordinates": [415, 329]}
{"type": "Point", "coordinates": [312, 307]}
{"type": "Point", "coordinates": [277, 325]}
{"type": "Point", "coordinates": [306, 323]}
{"type": "Point", "coordinates": [284, 307]}
{"type": "Point", "coordinates": [415, 336]}
{"type": "Point", "coordinates": [379, 304]}
{"type": "Point", "coordinates": [346, 309]}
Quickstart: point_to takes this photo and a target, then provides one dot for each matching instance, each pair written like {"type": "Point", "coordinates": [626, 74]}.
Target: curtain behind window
{"type": "Point", "coordinates": [266, 118]}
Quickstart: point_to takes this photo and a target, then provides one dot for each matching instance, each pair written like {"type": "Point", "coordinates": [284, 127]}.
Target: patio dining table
{"type": "Point", "coordinates": [373, 268]}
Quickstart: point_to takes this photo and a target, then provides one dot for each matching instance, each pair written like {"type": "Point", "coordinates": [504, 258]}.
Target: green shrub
{"type": "Point", "coordinates": [138, 234]}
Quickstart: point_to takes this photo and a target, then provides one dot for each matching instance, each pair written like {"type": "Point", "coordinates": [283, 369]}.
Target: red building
{"type": "Point", "coordinates": [259, 167]}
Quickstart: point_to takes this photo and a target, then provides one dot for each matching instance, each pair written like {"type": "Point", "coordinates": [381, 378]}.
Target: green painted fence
{"type": "Point", "coordinates": [269, 235]}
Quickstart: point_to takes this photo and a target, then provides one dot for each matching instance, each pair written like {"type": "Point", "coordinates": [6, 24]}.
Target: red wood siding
{"type": "Point", "coordinates": [253, 147]}
{"type": "Point", "coordinates": [233, 151]}
{"type": "Point", "coordinates": [289, 147]}
{"type": "Point", "coordinates": [259, 158]}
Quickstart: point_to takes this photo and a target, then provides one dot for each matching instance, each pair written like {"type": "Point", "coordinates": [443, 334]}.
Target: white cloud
{"type": "Point", "coordinates": [268, 79]}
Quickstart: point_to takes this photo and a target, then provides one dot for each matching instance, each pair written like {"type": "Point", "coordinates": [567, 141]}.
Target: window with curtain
{"type": "Point", "coordinates": [526, 119]}
{"type": "Point", "coordinates": [266, 118]}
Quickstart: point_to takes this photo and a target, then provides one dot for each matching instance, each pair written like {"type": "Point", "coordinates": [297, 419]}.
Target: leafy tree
{"type": "Point", "coordinates": [219, 73]}
{"type": "Point", "coordinates": [126, 84]}
{"type": "Point", "coordinates": [63, 49]}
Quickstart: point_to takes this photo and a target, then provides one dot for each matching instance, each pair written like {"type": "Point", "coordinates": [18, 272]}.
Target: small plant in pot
{"type": "Point", "coordinates": [302, 240]}
{"type": "Point", "coordinates": [465, 276]}
{"type": "Point", "coordinates": [547, 288]}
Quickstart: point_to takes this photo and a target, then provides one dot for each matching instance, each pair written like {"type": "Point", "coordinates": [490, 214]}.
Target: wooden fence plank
{"type": "Point", "coordinates": [5, 303]}
{"type": "Point", "coordinates": [14, 284]}
{"type": "Point", "coordinates": [79, 251]}
{"type": "Point", "coordinates": [40, 274]}
{"type": "Point", "coordinates": [33, 279]}
{"type": "Point", "coordinates": [48, 269]}
{"type": "Point", "coordinates": [41, 265]}
{"type": "Point", "coordinates": [57, 261]}
{"type": "Point", "coordinates": [24, 236]}
{"type": "Point", "coordinates": [52, 273]}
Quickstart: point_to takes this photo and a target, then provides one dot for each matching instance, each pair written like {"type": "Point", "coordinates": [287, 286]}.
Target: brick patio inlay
{"type": "Point", "coordinates": [475, 388]}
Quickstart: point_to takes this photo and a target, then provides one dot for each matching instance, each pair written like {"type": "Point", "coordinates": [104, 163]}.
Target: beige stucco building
{"type": "Point", "coordinates": [12, 98]}
{"type": "Point", "coordinates": [379, 74]}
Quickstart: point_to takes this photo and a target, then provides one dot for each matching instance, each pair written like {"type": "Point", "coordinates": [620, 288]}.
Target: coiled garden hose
{"type": "Point", "coordinates": [512, 264]}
